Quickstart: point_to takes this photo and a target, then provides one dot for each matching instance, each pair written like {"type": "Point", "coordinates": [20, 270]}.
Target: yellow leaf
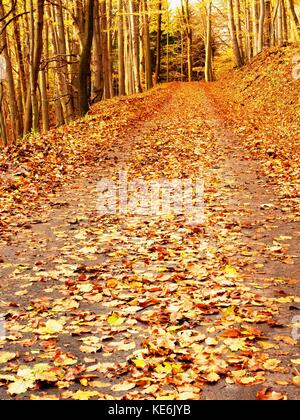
{"type": "Point", "coordinates": [212, 377]}
{"type": "Point", "coordinates": [296, 380]}
{"type": "Point", "coordinates": [114, 320]}
{"type": "Point", "coordinates": [85, 395]}
{"type": "Point", "coordinates": [126, 347]}
{"type": "Point", "coordinates": [51, 327]}
{"type": "Point", "coordinates": [125, 386]}
{"type": "Point", "coordinates": [284, 383]}
{"type": "Point", "coordinates": [210, 341]}
{"type": "Point", "coordinates": [99, 384]}
{"type": "Point", "coordinates": [85, 288]}
{"type": "Point", "coordinates": [286, 339]}
{"type": "Point", "coordinates": [6, 356]}
{"type": "Point", "coordinates": [90, 349]}
{"type": "Point", "coordinates": [230, 271]}
{"type": "Point", "coordinates": [247, 380]}
{"type": "Point", "coordinates": [271, 364]}
{"type": "Point", "coordinates": [235, 344]}
{"type": "Point", "coordinates": [296, 361]}
{"type": "Point", "coordinates": [84, 382]}
{"type": "Point", "coordinates": [19, 387]}
{"type": "Point", "coordinates": [43, 398]}
{"type": "Point", "coordinates": [266, 345]}
{"type": "Point", "coordinates": [139, 363]}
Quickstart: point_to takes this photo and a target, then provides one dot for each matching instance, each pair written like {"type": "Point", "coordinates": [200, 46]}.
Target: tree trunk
{"type": "Point", "coordinates": [208, 48]}
{"type": "Point", "coordinates": [134, 25]}
{"type": "Point", "coordinates": [21, 65]}
{"type": "Point", "coordinates": [158, 44]}
{"type": "Point", "coordinates": [260, 43]}
{"type": "Point", "coordinates": [98, 83]}
{"type": "Point", "coordinates": [45, 101]}
{"type": "Point", "coordinates": [31, 112]}
{"type": "Point", "coordinates": [268, 24]}
{"type": "Point", "coordinates": [248, 31]}
{"type": "Point", "coordinates": [66, 93]}
{"type": "Point", "coordinates": [2, 120]}
{"type": "Point", "coordinates": [105, 50]}
{"type": "Point", "coordinates": [285, 23]}
{"type": "Point", "coordinates": [239, 30]}
{"type": "Point", "coordinates": [121, 58]}
{"type": "Point", "coordinates": [147, 50]}
{"type": "Point", "coordinates": [85, 60]}
{"type": "Point", "coordinates": [255, 26]}
{"type": "Point", "coordinates": [235, 44]}
{"type": "Point", "coordinates": [13, 103]}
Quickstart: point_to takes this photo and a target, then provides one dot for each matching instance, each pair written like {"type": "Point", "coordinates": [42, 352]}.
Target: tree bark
{"type": "Point", "coordinates": [147, 49]}
{"type": "Point", "coordinates": [85, 60]}
{"type": "Point", "coordinates": [235, 45]}
{"type": "Point", "coordinates": [121, 58]}
{"type": "Point", "coordinates": [260, 43]}
{"type": "Point", "coordinates": [16, 118]}
{"type": "Point", "coordinates": [158, 43]}
{"type": "Point", "coordinates": [98, 83]}
{"type": "Point", "coordinates": [31, 117]}
{"type": "Point", "coordinates": [208, 47]}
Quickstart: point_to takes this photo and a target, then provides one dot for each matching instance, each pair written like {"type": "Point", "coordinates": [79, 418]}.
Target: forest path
{"type": "Point", "coordinates": [108, 306]}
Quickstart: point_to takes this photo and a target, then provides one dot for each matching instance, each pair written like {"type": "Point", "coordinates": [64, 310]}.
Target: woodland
{"type": "Point", "coordinates": [60, 57]}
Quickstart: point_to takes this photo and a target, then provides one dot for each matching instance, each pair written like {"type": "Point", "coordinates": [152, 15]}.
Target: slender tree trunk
{"type": "Point", "coordinates": [158, 43]}
{"type": "Point", "coordinates": [261, 22]}
{"type": "Point", "coordinates": [285, 23]}
{"type": "Point", "coordinates": [134, 24]}
{"type": "Point", "coordinates": [66, 93]}
{"type": "Point", "coordinates": [45, 101]}
{"type": "Point", "coordinates": [239, 30]}
{"type": "Point", "coordinates": [147, 49]}
{"type": "Point", "coordinates": [31, 111]}
{"type": "Point", "coordinates": [98, 84]}
{"type": "Point", "coordinates": [109, 45]}
{"type": "Point", "coordinates": [129, 82]}
{"type": "Point", "coordinates": [2, 119]}
{"type": "Point", "coordinates": [121, 52]}
{"type": "Point", "coordinates": [235, 44]}
{"type": "Point", "coordinates": [280, 25]}
{"type": "Point", "coordinates": [248, 31]}
{"type": "Point", "coordinates": [21, 65]}
{"type": "Point", "coordinates": [255, 26]}
{"type": "Point", "coordinates": [105, 50]}
{"type": "Point", "coordinates": [208, 48]}
{"type": "Point", "coordinates": [268, 23]}
{"type": "Point", "coordinates": [85, 59]}
{"type": "Point", "coordinates": [16, 118]}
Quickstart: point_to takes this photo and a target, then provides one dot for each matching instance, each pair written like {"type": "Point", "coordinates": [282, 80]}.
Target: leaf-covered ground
{"type": "Point", "coordinates": [134, 307]}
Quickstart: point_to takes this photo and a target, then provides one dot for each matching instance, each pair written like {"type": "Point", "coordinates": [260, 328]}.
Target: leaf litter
{"type": "Point", "coordinates": [153, 307]}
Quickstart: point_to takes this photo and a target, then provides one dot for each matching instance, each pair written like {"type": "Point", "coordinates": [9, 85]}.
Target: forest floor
{"type": "Point", "coordinates": [142, 307]}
